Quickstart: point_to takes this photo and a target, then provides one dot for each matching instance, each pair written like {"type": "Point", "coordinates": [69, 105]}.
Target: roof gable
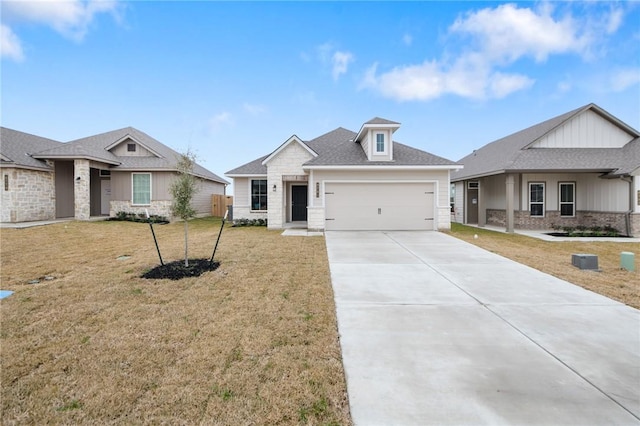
{"type": "Point", "coordinates": [125, 140]}
{"type": "Point", "coordinates": [518, 151]}
{"type": "Point", "coordinates": [292, 140]}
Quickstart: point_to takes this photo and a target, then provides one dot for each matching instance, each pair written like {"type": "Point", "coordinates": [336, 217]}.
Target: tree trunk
{"type": "Point", "coordinates": [186, 243]}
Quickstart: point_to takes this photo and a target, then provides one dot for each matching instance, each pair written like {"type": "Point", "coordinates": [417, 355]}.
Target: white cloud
{"type": "Point", "coordinates": [220, 121]}
{"type": "Point", "coordinates": [340, 62]}
{"type": "Point", "coordinates": [623, 79]}
{"type": "Point", "coordinates": [70, 18]}
{"type": "Point", "coordinates": [331, 57]}
{"type": "Point", "coordinates": [10, 46]}
{"type": "Point", "coordinates": [491, 40]}
{"type": "Point", "coordinates": [507, 32]}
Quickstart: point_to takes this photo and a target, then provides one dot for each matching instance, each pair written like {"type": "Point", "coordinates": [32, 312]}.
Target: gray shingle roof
{"type": "Point", "coordinates": [95, 148]}
{"type": "Point", "coordinates": [378, 120]}
{"type": "Point", "coordinates": [337, 148]}
{"type": "Point", "coordinates": [16, 147]}
{"type": "Point", "coordinates": [511, 153]}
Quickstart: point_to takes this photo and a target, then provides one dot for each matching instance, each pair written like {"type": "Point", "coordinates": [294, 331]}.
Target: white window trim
{"type": "Point", "coordinates": [544, 198]}
{"type": "Point", "coordinates": [560, 202]}
{"type": "Point", "coordinates": [251, 195]}
{"type": "Point", "coordinates": [150, 189]}
{"type": "Point", "coordinates": [385, 143]}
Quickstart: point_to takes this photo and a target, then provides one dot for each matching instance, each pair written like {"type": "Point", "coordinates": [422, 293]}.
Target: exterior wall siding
{"type": "Point", "coordinates": [587, 130]}
{"type": "Point", "coordinates": [202, 199]}
{"type": "Point", "coordinates": [122, 151]}
{"type": "Point", "coordinates": [30, 195]}
{"type": "Point", "coordinates": [288, 162]}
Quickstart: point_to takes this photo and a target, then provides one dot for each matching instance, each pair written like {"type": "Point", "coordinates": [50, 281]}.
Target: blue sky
{"type": "Point", "coordinates": [233, 80]}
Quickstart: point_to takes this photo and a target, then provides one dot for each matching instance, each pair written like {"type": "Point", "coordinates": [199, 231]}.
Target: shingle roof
{"type": "Point", "coordinates": [16, 146]}
{"type": "Point", "coordinates": [95, 147]}
{"type": "Point", "coordinates": [378, 120]}
{"type": "Point", "coordinates": [337, 148]}
{"type": "Point", "coordinates": [511, 153]}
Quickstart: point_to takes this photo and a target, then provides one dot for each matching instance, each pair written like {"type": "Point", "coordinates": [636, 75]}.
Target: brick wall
{"type": "Point", "coordinates": [523, 220]}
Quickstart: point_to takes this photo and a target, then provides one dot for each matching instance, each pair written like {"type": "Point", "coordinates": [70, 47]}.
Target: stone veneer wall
{"type": "Point", "coordinates": [31, 196]}
{"type": "Point", "coordinates": [81, 191]}
{"type": "Point", "coordinates": [523, 220]}
{"type": "Point", "coordinates": [160, 208]}
{"type": "Point", "coordinates": [315, 218]}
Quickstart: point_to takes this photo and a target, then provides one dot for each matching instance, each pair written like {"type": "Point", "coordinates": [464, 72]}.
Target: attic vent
{"type": "Point", "coordinates": [131, 147]}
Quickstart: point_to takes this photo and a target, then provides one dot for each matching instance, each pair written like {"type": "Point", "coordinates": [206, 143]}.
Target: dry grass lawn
{"type": "Point", "coordinates": [254, 342]}
{"type": "Point", "coordinates": [554, 257]}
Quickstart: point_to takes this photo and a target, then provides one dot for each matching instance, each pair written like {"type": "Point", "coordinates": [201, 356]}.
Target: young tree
{"type": "Point", "coordinates": [182, 189]}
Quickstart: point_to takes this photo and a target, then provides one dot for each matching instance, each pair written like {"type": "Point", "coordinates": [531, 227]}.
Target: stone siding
{"type": "Point", "coordinates": [315, 218]}
{"type": "Point", "coordinates": [82, 192]}
{"type": "Point", "coordinates": [31, 195]}
{"type": "Point", "coordinates": [523, 220]}
{"type": "Point", "coordinates": [289, 161]}
{"type": "Point", "coordinates": [444, 218]}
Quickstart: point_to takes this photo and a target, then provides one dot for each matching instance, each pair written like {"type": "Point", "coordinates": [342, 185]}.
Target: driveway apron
{"type": "Point", "coordinates": [437, 331]}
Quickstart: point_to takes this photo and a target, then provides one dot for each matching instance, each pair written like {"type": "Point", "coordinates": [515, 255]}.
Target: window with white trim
{"type": "Point", "coordinates": [567, 193]}
{"type": "Point", "coordinates": [258, 194]}
{"type": "Point", "coordinates": [536, 199]}
{"type": "Point", "coordinates": [141, 189]}
{"type": "Point", "coordinates": [380, 146]}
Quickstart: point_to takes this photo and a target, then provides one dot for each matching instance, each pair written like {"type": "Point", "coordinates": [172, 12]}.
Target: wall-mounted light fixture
{"type": "Point", "coordinates": [78, 178]}
{"type": "Point", "coordinates": [274, 187]}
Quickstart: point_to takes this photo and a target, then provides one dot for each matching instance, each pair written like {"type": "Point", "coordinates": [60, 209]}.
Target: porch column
{"type": "Point", "coordinates": [510, 202]}
{"type": "Point", "coordinates": [482, 211]}
{"type": "Point", "coordinates": [81, 189]}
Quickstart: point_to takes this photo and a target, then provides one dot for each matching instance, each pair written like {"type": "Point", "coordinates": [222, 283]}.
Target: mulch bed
{"type": "Point", "coordinates": [176, 270]}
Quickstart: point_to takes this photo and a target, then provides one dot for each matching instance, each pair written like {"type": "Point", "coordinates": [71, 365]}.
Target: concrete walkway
{"type": "Point", "coordinates": [437, 331]}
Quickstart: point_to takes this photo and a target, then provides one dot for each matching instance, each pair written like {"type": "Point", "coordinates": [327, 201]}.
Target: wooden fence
{"type": "Point", "coordinates": [219, 204]}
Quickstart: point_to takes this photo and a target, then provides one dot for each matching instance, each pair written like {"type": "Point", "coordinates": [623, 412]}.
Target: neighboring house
{"type": "Point", "coordinates": [345, 180]}
{"type": "Point", "coordinates": [581, 168]}
{"type": "Point", "coordinates": [122, 170]}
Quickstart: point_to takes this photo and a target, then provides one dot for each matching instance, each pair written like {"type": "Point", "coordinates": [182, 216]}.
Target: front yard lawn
{"type": "Point", "coordinates": [253, 342]}
{"type": "Point", "coordinates": [554, 258]}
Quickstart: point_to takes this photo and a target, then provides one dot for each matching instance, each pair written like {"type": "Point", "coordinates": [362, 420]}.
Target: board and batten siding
{"type": "Point", "coordinates": [122, 150]}
{"type": "Point", "coordinates": [592, 193]}
{"type": "Point", "coordinates": [121, 185]}
{"type": "Point", "coordinates": [587, 130]}
{"type": "Point", "coordinates": [458, 202]}
{"type": "Point", "coordinates": [201, 201]}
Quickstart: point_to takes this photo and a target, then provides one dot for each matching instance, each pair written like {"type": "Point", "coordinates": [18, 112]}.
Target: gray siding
{"type": "Point", "coordinates": [65, 203]}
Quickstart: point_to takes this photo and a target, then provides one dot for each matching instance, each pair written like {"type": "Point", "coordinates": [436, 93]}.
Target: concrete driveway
{"type": "Point", "coordinates": [437, 331]}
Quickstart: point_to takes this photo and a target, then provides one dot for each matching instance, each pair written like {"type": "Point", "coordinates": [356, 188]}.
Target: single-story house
{"type": "Point", "coordinates": [581, 168]}
{"type": "Point", "coordinates": [124, 170]}
{"type": "Point", "coordinates": [345, 180]}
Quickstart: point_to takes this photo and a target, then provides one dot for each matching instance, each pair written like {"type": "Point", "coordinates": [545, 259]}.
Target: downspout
{"type": "Point", "coordinates": [627, 215]}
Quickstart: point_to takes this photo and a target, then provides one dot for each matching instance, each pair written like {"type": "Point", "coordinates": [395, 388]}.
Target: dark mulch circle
{"type": "Point", "coordinates": [176, 270]}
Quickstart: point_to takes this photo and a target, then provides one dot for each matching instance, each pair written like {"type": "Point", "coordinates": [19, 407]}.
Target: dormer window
{"type": "Point", "coordinates": [131, 147]}
{"type": "Point", "coordinates": [380, 147]}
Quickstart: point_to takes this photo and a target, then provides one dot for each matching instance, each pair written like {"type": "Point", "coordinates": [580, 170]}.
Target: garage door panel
{"type": "Point", "coordinates": [379, 206]}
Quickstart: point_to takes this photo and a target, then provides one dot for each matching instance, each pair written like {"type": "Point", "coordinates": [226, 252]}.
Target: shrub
{"type": "Point", "coordinates": [249, 222]}
{"type": "Point", "coordinates": [140, 217]}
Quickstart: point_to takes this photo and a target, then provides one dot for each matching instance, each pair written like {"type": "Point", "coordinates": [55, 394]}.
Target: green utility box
{"type": "Point", "coordinates": [627, 261]}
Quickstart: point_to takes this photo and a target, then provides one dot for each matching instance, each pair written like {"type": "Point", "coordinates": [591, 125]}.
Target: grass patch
{"type": "Point", "coordinates": [554, 258]}
{"type": "Point", "coordinates": [249, 343]}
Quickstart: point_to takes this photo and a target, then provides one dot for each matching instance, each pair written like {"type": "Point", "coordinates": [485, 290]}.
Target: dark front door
{"type": "Point", "coordinates": [472, 205]}
{"type": "Point", "coordinates": [298, 203]}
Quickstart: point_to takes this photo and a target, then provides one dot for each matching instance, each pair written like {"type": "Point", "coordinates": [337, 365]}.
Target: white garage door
{"type": "Point", "coordinates": [379, 206]}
